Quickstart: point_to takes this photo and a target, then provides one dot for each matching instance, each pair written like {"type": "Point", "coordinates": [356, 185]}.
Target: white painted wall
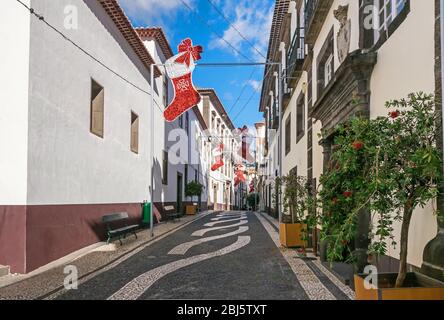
{"type": "Point", "coordinates": [68, 164]}
{"type": "Point", "coordinates": [163, 130]}
{"type": "Point", "coordinates": [298, 153]}
{"type": "Point", "coordinates": [406, 64]}
{"type": "Point", "coordinates": [14, 87]}
{"type": "Point", "coordinates": [199, 161]}
{"type": "Point", "coordinates": [217, 178]}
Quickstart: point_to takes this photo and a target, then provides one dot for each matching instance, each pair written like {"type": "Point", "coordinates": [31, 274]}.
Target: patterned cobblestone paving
{"type": "Point", "coordinates": [232, 255]}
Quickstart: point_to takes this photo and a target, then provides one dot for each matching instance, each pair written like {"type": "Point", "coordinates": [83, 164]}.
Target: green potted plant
{"type": "Point", "coordinates": [193, 189]}
{"type": "Point", "coordinates": [296, 201]}
{"type": "Point", "coordinates": [391, 166]}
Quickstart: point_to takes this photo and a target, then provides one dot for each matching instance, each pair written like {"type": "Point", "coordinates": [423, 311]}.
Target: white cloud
{"type": "Point", "coordinates": [255, 84]}
{"type": "Point", "coordinates": [253, 20]}
{"type": "Point", "coordinates": [153, 12]}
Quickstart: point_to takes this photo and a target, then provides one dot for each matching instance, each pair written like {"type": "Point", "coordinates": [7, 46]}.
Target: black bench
{"type": "Point", "coordinates": [114, 226]}
{"type": "Point", "coordinates": [171, 213]}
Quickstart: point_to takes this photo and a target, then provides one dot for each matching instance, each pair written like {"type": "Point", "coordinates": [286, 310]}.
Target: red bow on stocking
{"type": "Point", "coordinates": [188, 51]}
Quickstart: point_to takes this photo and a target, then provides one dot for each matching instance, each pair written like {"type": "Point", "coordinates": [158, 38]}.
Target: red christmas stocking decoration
{"type": "Point", "coordinates": [246, 145]}
{"type": "Point", "coordinates": [179, 69]}
{"type": "Point", "coordinates": [185, 97]}
{"type": "Point", "coordinates": [239, 175]}
{"type": "Point", "coordinates": [219, 157]}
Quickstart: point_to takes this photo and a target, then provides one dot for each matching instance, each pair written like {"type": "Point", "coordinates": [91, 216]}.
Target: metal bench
{"type": "Point", "coordinates": [114, 226]}
{"type": "Point", "coordinates": [171, 213]}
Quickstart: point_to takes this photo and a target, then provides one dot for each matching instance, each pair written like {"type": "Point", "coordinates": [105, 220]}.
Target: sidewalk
{"type": "Point", "coordinates": [50, 278]}
{"type": "Point", "coordinates": [319, 281]}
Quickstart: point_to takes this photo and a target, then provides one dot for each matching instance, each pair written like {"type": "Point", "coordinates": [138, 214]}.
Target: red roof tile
{"type": "Point", "coordinates": [158, 35]}
{"type": "Point", "coordinates": [122, 22]}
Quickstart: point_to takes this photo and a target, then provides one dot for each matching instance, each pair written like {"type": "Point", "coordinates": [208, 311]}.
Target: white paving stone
{"type": "Point", "coordinates": [212, 224]}
{"type": "Point", "coordinates": [135, 288]}
{"type": "Point", "coordinates": [200, 233]}
{"type": "Point", "coordinates": [313, 287]}
{"type": "Point", "coordinates": [125, 257]}
{"type": "Point", "coordinates": [346, 289]}
{"type": "Point", "coordinates": [184, 247]}
{"type": "Point", "coordinates": [229, 217]}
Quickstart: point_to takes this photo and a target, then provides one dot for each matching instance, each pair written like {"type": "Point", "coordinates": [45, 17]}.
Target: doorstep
{"type": "Point", "coordinates": [4, 271]}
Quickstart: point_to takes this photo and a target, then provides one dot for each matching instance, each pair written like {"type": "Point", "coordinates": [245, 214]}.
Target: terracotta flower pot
{"type": "Point", "coordinates": [191, 210]}
{"type": "Point", "coordinates": [291, 234]}
{"type": "Point", "coordinates": [416, 287]}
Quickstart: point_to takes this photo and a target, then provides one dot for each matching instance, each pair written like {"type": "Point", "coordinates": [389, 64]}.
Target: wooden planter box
{"type": "Point", "coordinates": [416, 287]}
{"type": "Point", "coordinates": [290, 235]}
{"type": "Point", "coordinates": [191, 210]}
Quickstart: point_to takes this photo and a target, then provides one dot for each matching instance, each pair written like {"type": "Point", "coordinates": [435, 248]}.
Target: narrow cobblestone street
{"type": "Point", "coordinates": [221, 256]}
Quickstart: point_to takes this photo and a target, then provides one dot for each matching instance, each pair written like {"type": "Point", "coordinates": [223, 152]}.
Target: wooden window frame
{"type": "Point", "coordinates": [288, 135]}
{"type": "Point", "coordinates": [93, 130]}
{"type": "Point", "coordinates": [134, 144]}
{"type": "Point", "coordinates": [300, 118]}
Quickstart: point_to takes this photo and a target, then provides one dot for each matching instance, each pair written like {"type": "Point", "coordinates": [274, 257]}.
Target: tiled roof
{"type": "Point", "coordinates": [122, 22]}
{"type": "Point", "coordinates": [159, 36]}
{"type": "Point", "coordinates": [218, 104]}
{"type": "Point", "coordinates": [280, 10]}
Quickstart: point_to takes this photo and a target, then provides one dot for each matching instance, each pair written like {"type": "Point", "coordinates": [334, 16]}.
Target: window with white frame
{"type": "Point", "coordinates": [388, 10]}
{"type": "Point", "coordinates": [328, 76]}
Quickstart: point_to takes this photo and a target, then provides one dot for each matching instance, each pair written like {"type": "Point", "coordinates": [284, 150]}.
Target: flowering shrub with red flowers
{"type": "Point", "coordinates": [390, 166]}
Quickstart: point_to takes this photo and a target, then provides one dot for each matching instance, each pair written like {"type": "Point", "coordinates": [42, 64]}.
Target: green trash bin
{"type": "Point", "coordinates": [146, 213]}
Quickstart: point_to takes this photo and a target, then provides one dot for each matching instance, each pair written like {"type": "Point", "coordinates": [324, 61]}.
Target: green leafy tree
{"type": "Point", "coordinates": [296, 196]}
{"type": "Point", "coordinates": [193, 189]}
{"type": "Point", "coordinates": [298, 200]}
{"type": "Point", "coordinates": [253, 200]}
{"type": "Point", "coordinates": [389, 165]}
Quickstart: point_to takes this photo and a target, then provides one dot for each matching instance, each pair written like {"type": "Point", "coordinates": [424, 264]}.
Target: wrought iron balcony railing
{"type": "Point", "coordinates": [296, 57]}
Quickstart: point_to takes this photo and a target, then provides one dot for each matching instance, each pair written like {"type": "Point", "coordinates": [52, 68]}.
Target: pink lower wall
{"type": "Point", "coordinates": [32, 236]}
{"type": "Point", "coordinates": [13, 237]}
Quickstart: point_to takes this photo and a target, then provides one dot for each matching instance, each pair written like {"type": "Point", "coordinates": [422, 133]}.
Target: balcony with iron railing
{"type": "Point", "coordinates": [274, 116]}
{"type": "Point", "coordinates": [295, 58]}
{"type": "Point", "coordinates": [316, 12]}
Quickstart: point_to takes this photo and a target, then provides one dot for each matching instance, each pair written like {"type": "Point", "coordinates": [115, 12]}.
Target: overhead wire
{"type": "Point", "coordinates": [235, 28]}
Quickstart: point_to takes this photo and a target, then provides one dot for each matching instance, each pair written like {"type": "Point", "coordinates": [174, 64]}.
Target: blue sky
{"type": "Point", "coordinates": [252, 18]}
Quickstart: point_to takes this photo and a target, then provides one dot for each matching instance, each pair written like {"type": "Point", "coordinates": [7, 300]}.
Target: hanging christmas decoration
{"type": "Point", "coordinates": [239, 174]}
{"type": "Point", "coordinates": [251, 186]}
{"type": "Point", "coordinates": [244, 151]}
{"type": "Point", "coordinates": [218, 157]}
{"type": "Point", "coordinates": [179, 69]}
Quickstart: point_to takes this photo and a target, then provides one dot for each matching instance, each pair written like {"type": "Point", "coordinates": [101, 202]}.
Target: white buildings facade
{"type": "Point", "coordinates": [76, 129]}
{"type": "Point", "coordinates": [221, 190]}
{"type": "Point", "coordinates": [340, 62]}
